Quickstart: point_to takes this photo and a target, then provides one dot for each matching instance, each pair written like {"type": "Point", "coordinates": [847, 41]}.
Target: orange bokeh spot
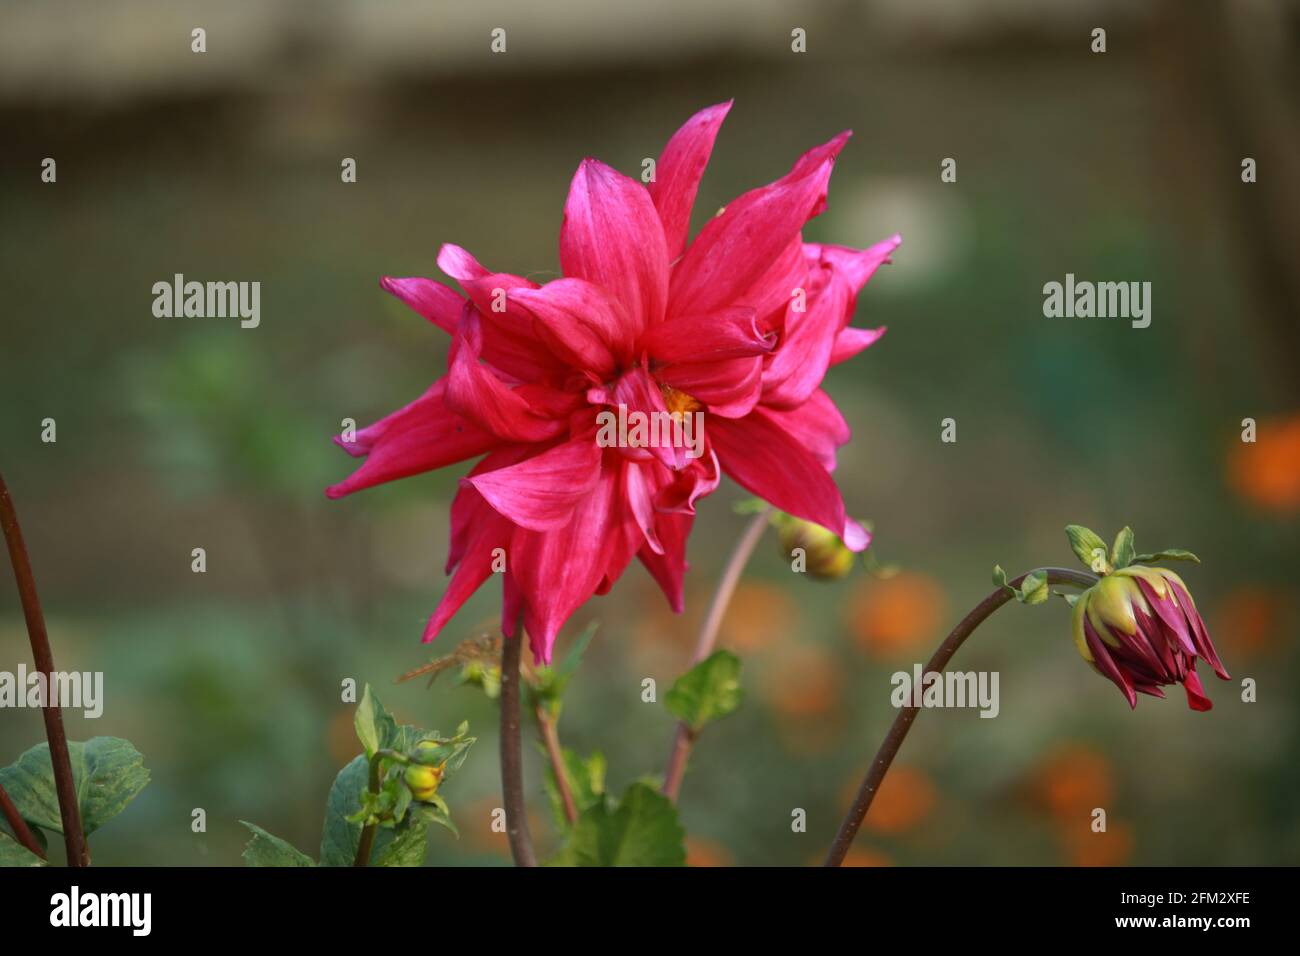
{"type": "Point", "coordinates": [904, 800]}
{"type": "Point", "coordinates": [865, 857]}
{"type": "Point", "coordinates": [1114, 847]}
{"type": "Point", "coordinates": [701, 852]}
{"type": "Point", "coordinates": [893, 616]}
{"type": "Point", "coordinates": [805, 681]}
{"type": "Point", "coordinates": [1266, 472]}
{"type": "Point", "coordinates": [1250, 619]}
{"type": "Point", "coordinates": [1071, 782]}
{"type": "Point", "coordinates": [759, 615]}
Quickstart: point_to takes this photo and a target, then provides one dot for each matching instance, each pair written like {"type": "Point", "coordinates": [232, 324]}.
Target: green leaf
{"type": "Point", "coordinates": [13, 853]}
{"type": "Point", "coordinates": [1089, 548]}
{"type": "Point", "coordinates": [339, 840]}
{"type": "Point", "coordinates": [437, 811]}
{"type": "Point", "coordinates": [586, 783]}
{"type": "Point", "coordinates": [1034, 590]}
{"type": "Point", "coordinates": [709, 690]}
{"type": "Point", "coordinates": [406, 847]}
{"type": "Point", "coordinates": [108, 773]}
{"type": "Point", "coordinates": [641, 831]}
{"type": "Point", "coordinates": [1172, 554]}
{"type": "Point", "coordinates": [376, 727]}
{"type": "Point", "coordinates": [1121, 552]}
{"type": "Point", "coordinates": [266, 849]}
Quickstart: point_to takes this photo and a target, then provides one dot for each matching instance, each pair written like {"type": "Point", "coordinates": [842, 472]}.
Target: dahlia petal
{"type": "Point", "coordinates": [817, 425]}
{"type": "Point", "coordinates": [730, 388]}
{"type": "Point", "coordinates": [855, 266]}
{"type": "Point", "coordinates": [771, 292]}
{"type": "Point", "coordinates": [699, 478]}
{"type": "Point", "coordinates": [766, 460]}
{"type": "Point", "coordinates": [1196, 698]}
{"type": "Point", "coordinates": [679, 170]}
{"type": "Point", "coordinates": [640, 394]}
{"type": "Point", "coordinates": [638, 495]}
{"type": "Point", "coordinates": [669, 568]}
{"type": "Point", "coordinates": [557, 571]}
{"type": "Point", "coordinates": [419, 437]}
{"type": "Point", "coordinates": [728, 333]}
{"type": "Point", "coordinates": [433, 300]}
{"type": "Point", "coordinates": [850, 341]}
{"type": "Point", "coordinates": [1169, 613]}
{"type": "Point", "coordinates": [580, 322]}
{"type": "Point", "coordinates": [488, 532]}
{"type": "Point", "coordinates": [460, 264]}
{"type": "Point", "coordinates": [541, 492]}
{"type": "Point", "coordinates": [737, 247]}
{"type": "Point", "coordinates": [798, 365]}
{"type": "Point", "coordinates": [1101, 658]}
{"type": "Point", "coordinates": [476, 393]}
{"type": "Point", "coordinates": [1203, 643]}
{"type": "Point", "coordinates": [612, 236]}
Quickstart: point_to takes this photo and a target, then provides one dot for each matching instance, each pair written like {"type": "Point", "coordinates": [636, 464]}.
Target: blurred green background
{"type": "Point", "coordinates": [183, 433]}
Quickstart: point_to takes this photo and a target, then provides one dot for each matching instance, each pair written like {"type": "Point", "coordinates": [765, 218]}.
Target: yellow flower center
{"type": "Point", "coordinates": [678, 403]}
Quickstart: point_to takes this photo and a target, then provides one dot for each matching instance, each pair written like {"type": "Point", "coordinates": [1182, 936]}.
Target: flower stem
{"type": "Point", "coordinates": [551, 738]}
{"type": "Point", "coordinates": [685, 737]}
{"type": "Point", "coordinates": [903, 722]}
{"type": "Point", "coordinates": [512, 760]}
{"type": "Point", "coordinates": [19, 825]}
{"type": "Point", "coordinates": [367, 841]}
{"type": "Point", "coordinates": [64, 785]}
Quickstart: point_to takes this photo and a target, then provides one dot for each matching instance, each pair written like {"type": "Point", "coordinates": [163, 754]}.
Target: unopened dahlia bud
{"type": "Point", "coordinates": [423, 781]}
{"type": "Point", "coordinates": [814, 549]}
{"type": "Point", "coordinates": [1139, 627]}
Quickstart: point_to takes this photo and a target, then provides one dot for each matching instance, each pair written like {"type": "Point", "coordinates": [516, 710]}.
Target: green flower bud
{"type": "Point", "coordinates": [820, 552]}
{"type": "Point", "coordinates": [423, 781]}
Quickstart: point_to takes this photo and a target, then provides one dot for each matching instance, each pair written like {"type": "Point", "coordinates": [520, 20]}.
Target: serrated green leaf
{"type": "Point", "coordinates": [709, 690]}
{"type": "Point", "coordinates": [407, 845]}
{"type": "Point", "coordinates": [586, 784]}
{"type": "Point", "coordinates": [1121, 552]}
{"type": "Point", "coordinates": [641, 831]}
{"type": "Point", "coordinates": [108, 773]}
{"type": "Point", "coordinates": [1089, 548]}
{"type": "Point", "coordinates": [437, 811]}
{"type": "Point", "coordinates": [266, 849]}
{"type": "Point", "coordinates": [1172, 554]}
{"type": "Point", "coordinates": [13, 853]}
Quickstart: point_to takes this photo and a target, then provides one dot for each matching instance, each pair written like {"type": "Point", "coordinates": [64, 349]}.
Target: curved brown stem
{"type": "Point", "coordinates": [512, 759]}
{"type": "Point", "coordinates": [64, 786]}
{"type": "Point", "coordinates": [903, 722]}
{"type": "Point", "coordinates": [684, 738]}
{"type": "Point", "coordinates": [555, 753]}
{"type": "Point", "coordinates": [16, 822]}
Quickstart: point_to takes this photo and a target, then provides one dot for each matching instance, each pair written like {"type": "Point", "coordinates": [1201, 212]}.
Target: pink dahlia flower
{"type": "Point", "coordinates": [739, 325]}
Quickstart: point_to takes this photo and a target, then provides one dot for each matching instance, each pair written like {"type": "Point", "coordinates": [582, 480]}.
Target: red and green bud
{"type": "Point", "coordinates": [1139, 627]}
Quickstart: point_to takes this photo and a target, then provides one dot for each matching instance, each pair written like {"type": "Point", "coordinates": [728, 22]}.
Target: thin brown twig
{"type": "Point", "coordinates": [907, 716]}
{"type": "Point", "coordinates": [512, 758]}
{"type": "Point", "coordinates": [551, 738]}
{"type": "Point", "coordinates": [64, 785]}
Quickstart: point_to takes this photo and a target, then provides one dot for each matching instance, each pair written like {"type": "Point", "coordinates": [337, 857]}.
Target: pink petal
{"type": "Point", "coordinates": [558, 571]}
{"type": "Point", "coordinates": [581, 323]}
{"type": "Point", "coordinates": [817, 425]}
{"type": "Point", "coordinates": [736, 248]}
{"type": "Point", "coordinates": [798, 365]}
{"type": "Point", "coordinates": [1196, 698]}
{"type": "Point", "coordinates": [476, 393]}
{"type": "Point", "coordinates": [766, 460]}
{"type": "Point", "coordinates": [481, 532]}
{"type": "Point", "coordinates": [1101, 658]}
{"type": "Point", "coordinates": [678, 172]}
{"type": "Point", "coordinates": [612, 236]}
{"type": "Point", "coordinates": [433, 300]}
{"type": "Point", "coordinates": [730, 388]}
{"type": "Point", "coordinates": [541, 492]}
{"type": "Point", "coordinates": [636, 488]}
{"type": "Point", "coordinates": [701, 477]}
{"type": "Point", "coordinates": [669, 569]}
{"type": "Point", "coordinates": [641, 394]}
{"type": "Point", "coordinates": [420, 437]}
{"type": "Point", "coordinates": [850, 341]}
{"type": "Point", "coordinates": [728, 333]}
{"type": "Point", "coordinates": [855, 266]}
